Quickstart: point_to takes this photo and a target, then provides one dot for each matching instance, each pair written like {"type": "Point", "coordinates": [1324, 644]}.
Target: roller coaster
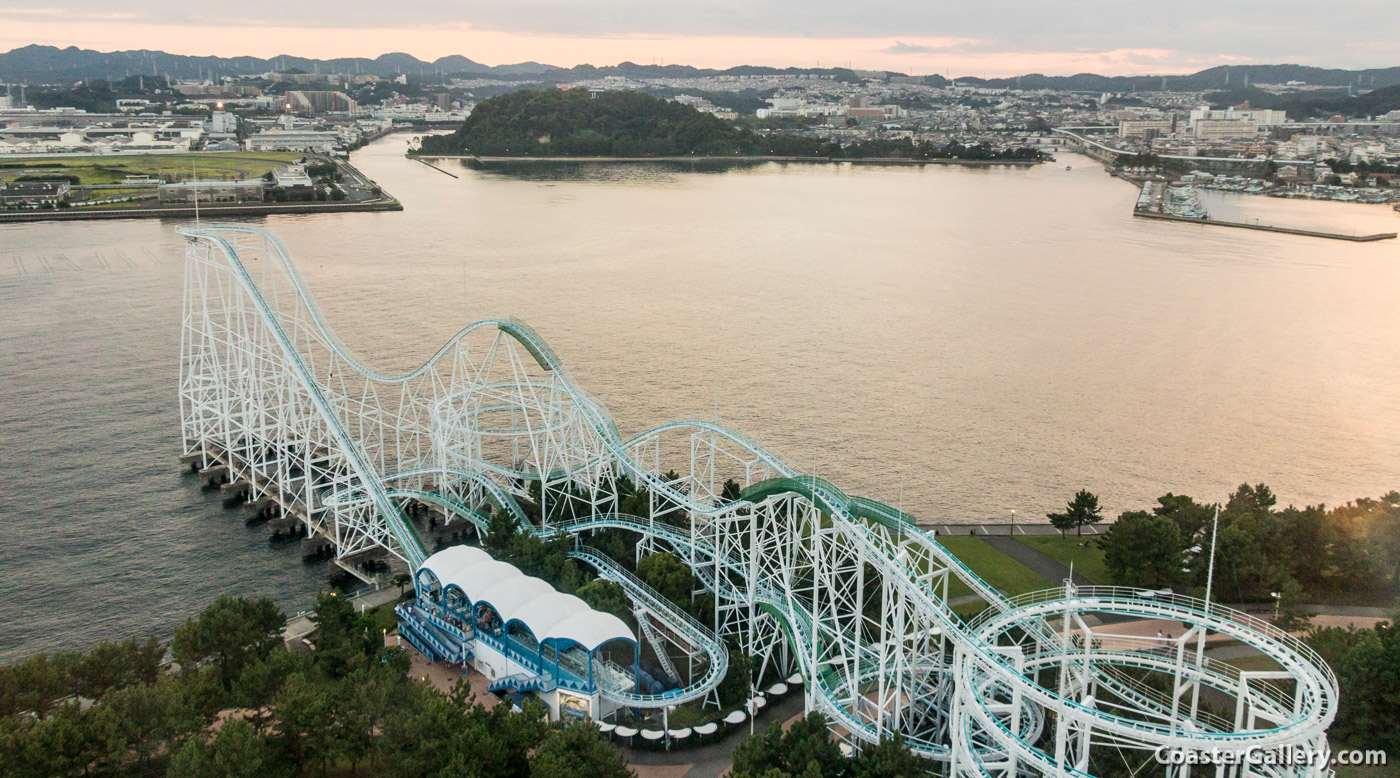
{"type": "Point", "coordinates": [844, 590]}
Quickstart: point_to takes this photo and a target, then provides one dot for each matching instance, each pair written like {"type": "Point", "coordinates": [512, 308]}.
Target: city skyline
{"type": "Point", "coordinates": [1004, 38]}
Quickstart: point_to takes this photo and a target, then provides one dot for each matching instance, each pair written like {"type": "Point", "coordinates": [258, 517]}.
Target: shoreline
{"type": "Point", "coordinates": [358, 183]}
{"type": "Point", "coordinates": [213, 211]}
{"type": "Point", "coordinates": [1003, 527]}
{"type": "Point", "coordinates": [812, 160]}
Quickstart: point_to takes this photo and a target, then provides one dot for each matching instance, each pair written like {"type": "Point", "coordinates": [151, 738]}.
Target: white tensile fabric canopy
{"type": "Point", "coordinates": [565, 617]}
{"type": "Point", "coordinates": [548, 614]}
{"type": "Point", "coordinates": [508, 594]}
{"type": "Point", "coordinates": [475, 579]}
{"type": "Point", "coordinates": [454, 558]}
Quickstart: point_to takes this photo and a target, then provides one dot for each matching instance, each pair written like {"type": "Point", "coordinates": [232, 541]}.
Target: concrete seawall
{"type": "Point", "coordinates": [1266, 227]}
{"type": "Point", "coordinates": [1003, 527]}
{"type": "Point", "coordinates": [815, 160]}
{"type": "Point", "coordinates": [205, 211]}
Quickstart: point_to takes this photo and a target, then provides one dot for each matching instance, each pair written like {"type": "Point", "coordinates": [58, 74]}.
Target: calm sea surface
{"type": "Point", "coordinates": [969, 341]}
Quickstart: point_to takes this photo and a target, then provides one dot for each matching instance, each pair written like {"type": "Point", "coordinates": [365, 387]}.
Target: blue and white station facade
{"type": "Point", "coordinates": [517, 630]}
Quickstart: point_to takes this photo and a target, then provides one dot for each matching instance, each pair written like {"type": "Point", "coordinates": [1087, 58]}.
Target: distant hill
{"type": "Point", "coordinates": [1378, 102]}
{"type": "Point", "coordinates": [1317, 104]}
{"type": "Point", "coordinates": [1282, 74]}
{"type": "Point", "coordinates": [51, 65]}
{"type": "Point", "coordinates": [1224, 77]}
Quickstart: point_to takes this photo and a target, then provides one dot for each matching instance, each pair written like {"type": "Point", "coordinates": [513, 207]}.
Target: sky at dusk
{"type": "Point", "coordinates": [985, 37]}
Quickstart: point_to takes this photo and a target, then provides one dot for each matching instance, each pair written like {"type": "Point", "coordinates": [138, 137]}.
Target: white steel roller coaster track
{"type": "Point", "coordinates": [789, 560]}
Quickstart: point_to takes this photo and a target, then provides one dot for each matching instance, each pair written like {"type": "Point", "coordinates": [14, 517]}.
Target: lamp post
{"type": "Point", "coordinates": [1013, 522]}
{"type": "Point", "coordinates": [1278, 600]}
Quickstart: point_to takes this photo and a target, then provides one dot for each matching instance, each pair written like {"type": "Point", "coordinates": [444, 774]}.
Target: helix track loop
{"type": "Point", "coordinates": [845, 590]}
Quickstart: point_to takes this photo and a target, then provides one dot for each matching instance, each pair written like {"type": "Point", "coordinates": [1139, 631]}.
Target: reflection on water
{"type": "Point", "coordinates": [962, 340]}
{"type": "Point", "coordinates": [667, 172]}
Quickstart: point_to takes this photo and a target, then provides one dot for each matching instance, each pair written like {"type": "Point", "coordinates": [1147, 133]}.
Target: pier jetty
{"type": "Point", "coordinates": [1266, 227]}
{"type": "Point", "coordinates": [1180, 204]}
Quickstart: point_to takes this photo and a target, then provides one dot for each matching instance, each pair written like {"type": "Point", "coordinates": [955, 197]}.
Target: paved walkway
{"type": "Point", "coordinates": [1052, 570]}
{"type": "Point", "coordinates": [1349, 611]}
{"type": "Point", "coordinates": [300, 625]}
{"type": "Point", "coordinates": [709, 761]}
{"type": "Point", "coordinates": [714, 760]}
{"type": "Point", "coordinates": [1322, 619]}
{"type": "Point", "coordinates": [1004, 527]}
{"type": "Point", "coordinates": [443, 676]}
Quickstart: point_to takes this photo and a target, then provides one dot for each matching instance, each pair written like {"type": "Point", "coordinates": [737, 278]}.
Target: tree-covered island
{"type": "Point", "coordinates": [579, 123]}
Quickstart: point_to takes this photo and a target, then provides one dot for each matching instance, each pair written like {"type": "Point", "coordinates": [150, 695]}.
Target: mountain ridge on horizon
{"type": "Point", "coordinates": [36, 63]}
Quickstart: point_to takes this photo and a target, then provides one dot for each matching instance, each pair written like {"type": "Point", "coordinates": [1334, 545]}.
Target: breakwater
{"type": "Point", "coordinates": [484, 160]}
{"type": "Point", "coordinates": [1145, 214]}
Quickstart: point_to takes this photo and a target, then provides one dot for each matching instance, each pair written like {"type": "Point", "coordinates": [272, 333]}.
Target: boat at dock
{"type": "Point", "coordinates": [1184, 201]}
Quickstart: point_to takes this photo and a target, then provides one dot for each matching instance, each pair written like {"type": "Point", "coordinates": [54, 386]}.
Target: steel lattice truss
{"type": "Point", "coordinates": [844, 590]}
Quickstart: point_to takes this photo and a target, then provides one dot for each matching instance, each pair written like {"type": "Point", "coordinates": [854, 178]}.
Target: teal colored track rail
{"type": "Point", "coordinates": [880, 533]}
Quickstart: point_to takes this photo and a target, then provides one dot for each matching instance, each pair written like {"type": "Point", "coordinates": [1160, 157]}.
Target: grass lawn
{"type": "Point", "coordinates": [994, 567]}
{"type": "Point", "coordinates": [103, 194]}
{"type": "Point", "coordinates": [1253, 662]}
{"type": "Point", "coordinates": [1391, 770]}
{"type": "Point", "coordinates": [382, 617]}
{"type": "Point", "coordinates": [970, 612]}
{"type": "Point", "coordinates": [1088, 562]}
{"type": "Point", "coordinates": [111, 169]}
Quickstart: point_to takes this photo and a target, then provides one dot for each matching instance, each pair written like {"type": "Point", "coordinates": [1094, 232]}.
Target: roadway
{"type": "Point", "coordinates": [1070, 131]}
{"type": "Point", "coordinates": [358, 187]}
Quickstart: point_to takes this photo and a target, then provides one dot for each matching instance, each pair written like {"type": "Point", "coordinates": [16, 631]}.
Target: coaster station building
{"type": "Point", "coordinates": [517, 631]}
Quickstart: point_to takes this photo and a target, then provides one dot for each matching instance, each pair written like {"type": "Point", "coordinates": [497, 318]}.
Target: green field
{"type": "Point", "coordinates": [1254, 662]}
{"type": "Point", "coordinates": [103, 194]}
{"type": "Point", "coordinates": [996, 568]}
{"type": "Point", "coordinates": [1358, 771]}
{"type": "Point", "coordinates": [112, 169]}
{"type": "Point", "coordinates": [1088, 562]}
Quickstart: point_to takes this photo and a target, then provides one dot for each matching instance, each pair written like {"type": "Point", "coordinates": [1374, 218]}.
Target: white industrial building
{"type": "Point", "coordinates": [1259, 118]}
{"type": "Point", "coordinates": [1224, 129]}
{"type": "Point", "coordinates": [293, 140]}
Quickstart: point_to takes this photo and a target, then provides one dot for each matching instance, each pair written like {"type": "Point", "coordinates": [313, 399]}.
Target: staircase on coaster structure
{"type": "Point", "coordinates": [431, 642]}
{"type": "Point", "coordinates": [657, 645]}
{"type": "Point", "coordinates": [519, 682]}
{"type": "Point", "coordinates": [418, 643]}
